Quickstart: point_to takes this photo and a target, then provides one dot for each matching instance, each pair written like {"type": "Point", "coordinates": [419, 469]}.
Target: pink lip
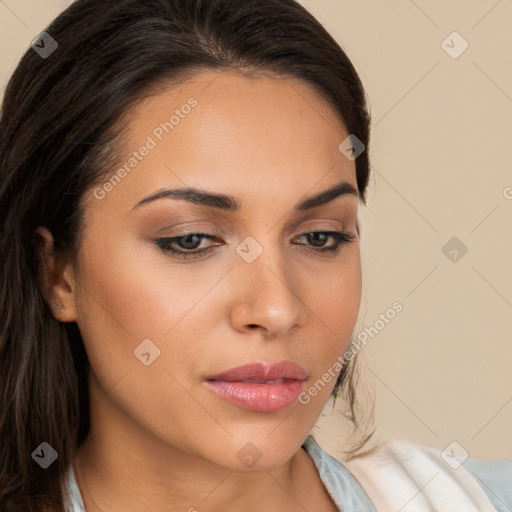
{"type": "Point", "coordinates": [277, 385]}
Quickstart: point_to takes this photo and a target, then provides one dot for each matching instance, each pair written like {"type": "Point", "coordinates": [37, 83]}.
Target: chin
{"type": "Point", "coordinates": [256, 451]}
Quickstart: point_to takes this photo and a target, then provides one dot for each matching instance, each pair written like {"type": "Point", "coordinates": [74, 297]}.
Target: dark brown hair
{"type": "Point", "coordinates": [58, 137]}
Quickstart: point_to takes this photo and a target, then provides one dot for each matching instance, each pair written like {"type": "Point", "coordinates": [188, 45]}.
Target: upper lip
{"type": "Point", "coordinates": [263, 372]}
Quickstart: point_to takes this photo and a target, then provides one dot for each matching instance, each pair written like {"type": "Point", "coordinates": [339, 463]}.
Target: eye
{"type": "Point", "coordinates": [318, 238]}
{"type": "Point", "coordinates": [188, 244]}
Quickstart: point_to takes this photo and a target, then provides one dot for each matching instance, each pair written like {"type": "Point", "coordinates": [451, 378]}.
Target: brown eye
{"type": "Point", "coordinates": [318, 239]}
{"type": "Point", "coordinates": [183, 245]}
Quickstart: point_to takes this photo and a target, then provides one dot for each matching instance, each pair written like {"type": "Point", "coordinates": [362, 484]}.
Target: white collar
{"type": "Point", "coordinates": [407, 477]}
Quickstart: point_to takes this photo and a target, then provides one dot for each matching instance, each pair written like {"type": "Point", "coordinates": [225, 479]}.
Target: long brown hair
{"type": "Point", "coordinates": [58, 137]}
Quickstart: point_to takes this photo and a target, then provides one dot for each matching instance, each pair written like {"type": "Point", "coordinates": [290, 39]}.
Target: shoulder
{"type": "Point", "coordinates": [475, 477]}
{"type": "Point", "coordinates": [495, 478]}
{"type": "Point", "coordinates": [487, 483]}
{"type": "Point", "coordinates": [337, 479]}
{"type": "Point", "coordinates": [407, 476]}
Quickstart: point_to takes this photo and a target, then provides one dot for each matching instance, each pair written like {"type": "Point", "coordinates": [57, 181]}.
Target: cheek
{"type": "Point", "coordinates": [134, 291]}
{"type": "Point", "coordinates": [131, 292]}
{"type": "Point", "coordinates": [335, 305]}
{"type": "Point", "coordinates": [125, 300]}
{"type": "Point", "coordinates": [334, 299]}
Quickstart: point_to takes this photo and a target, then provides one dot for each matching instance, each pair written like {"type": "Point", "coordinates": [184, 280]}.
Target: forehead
{"type": "Point", "coordinates": [243, 136]}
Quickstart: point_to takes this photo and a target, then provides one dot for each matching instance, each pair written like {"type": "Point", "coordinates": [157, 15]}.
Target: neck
{"type": "Point", "coordinates": [121, 466]}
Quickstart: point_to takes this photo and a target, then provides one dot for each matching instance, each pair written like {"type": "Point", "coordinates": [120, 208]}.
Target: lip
{"type": "Point", "coordinates": [259, 386]}
{"type": "Point", "coordinates": [262, 371]}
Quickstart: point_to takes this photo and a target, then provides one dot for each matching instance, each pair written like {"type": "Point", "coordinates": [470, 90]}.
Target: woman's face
{"type": "Point", "coordinates": [158, 327]}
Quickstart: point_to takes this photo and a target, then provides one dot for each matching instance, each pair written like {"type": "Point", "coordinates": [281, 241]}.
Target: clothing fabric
{"type": "Point", "coordinates": [400, 476]}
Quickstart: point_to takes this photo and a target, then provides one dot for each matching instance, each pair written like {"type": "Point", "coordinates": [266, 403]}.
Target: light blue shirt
{"type": "Point", "coordinates": [493, 476]}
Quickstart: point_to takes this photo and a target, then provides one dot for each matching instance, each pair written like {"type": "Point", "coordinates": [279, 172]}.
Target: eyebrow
{"type": "Point", "coordinates": [230, 203]}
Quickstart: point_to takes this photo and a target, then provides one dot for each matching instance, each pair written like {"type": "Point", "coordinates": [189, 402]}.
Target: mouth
{"type": "Point", "coordinates": [260, 387]}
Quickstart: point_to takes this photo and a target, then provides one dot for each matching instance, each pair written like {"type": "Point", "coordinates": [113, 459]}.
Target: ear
{"type": "Point", "coordinates": [57, 279]}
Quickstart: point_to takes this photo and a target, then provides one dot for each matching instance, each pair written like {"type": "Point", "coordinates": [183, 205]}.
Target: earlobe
{"type": "Point", "coordinates": [56, 278]}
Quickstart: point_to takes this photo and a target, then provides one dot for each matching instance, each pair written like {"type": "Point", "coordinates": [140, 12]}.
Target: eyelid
{"type": "Point", "coordinates": [340, 237]}
{"type": "Point", "coordinates": [219, 234]}
{"type": "Point", "coordinates": [225, 231]}
{"type": "Point", "coordinates": [195, 231]}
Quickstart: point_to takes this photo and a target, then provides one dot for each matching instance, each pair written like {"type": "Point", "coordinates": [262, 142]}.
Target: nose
{"type": "Point", "coordinates": [267, 296]}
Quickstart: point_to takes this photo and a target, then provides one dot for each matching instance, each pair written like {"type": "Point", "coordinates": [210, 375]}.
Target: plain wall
{"type": "Point", "coordinates": [440, 369]}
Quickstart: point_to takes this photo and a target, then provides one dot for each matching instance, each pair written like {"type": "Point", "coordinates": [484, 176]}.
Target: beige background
{"type": "Point", "coordinates": [440, 370]}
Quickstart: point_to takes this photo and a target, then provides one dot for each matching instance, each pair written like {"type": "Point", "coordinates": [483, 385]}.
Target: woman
{"type": "Point", "coordinates": [180, 188]}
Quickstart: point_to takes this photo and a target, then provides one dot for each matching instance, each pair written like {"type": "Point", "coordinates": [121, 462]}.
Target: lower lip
{"type": "Point", "coordinates": [258, 397]}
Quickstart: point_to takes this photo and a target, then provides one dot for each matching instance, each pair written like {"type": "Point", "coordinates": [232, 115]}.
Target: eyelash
{"type": "Point", "coordinates": [165, 244]}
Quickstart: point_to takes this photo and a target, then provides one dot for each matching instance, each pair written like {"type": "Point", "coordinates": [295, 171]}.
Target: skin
{"type": "Point", "coordinates": [159, 438]}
